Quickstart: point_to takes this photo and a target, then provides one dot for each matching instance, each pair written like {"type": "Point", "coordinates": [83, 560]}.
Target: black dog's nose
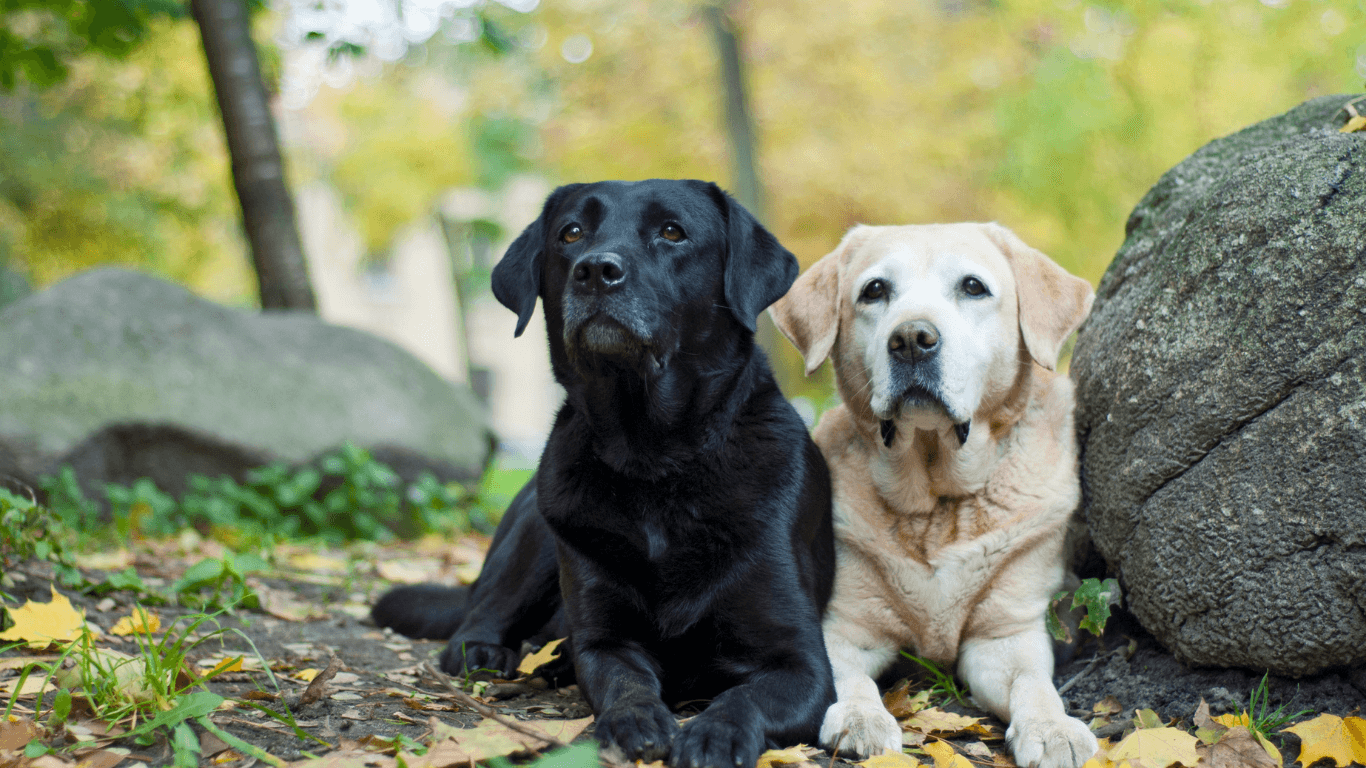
{"type": "Point", "coordinates": [914, 341]}
{"type": "Point", "coordinates": [599, 271]}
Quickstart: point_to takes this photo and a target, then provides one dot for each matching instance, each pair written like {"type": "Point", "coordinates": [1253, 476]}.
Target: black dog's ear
{"type": "Point", "coordinates": [759, 270]}
{"type": "Point", "coordinates": [517, 276]}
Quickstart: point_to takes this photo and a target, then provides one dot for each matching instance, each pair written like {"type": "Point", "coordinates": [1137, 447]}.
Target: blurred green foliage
{"type": "Point", "coordinates": [39, 38]}
{"type": "Point", "coordinates": [1050, 116]}
{"type": "Point", "coordinates": [349, 496]}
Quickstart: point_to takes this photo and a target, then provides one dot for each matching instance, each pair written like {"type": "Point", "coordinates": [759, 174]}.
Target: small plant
{"type": "Point", "coordinates": [943, 685]}
{"type": "Point", "coordinates": [226, 576]}
{"type": "Point", "coordinates": [1096, 596]}
{"type": "Point", "coordinates": [1256, 716]}
{"type": "Point", "coordinates": [29, 531]}
{"type": "Point", "coordinates": [348, 496]}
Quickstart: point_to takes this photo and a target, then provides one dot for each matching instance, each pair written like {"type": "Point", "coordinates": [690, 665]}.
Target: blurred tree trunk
{"type": "Point", "coordinates": [739, 125]}
{"type": "Point", "coordinates": [257, 169]}
{"type": "Point", "coordinates": [744, 155]}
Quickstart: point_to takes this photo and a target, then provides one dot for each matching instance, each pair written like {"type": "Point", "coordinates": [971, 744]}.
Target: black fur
{"type": "Point", "coordinates": [680, 507]}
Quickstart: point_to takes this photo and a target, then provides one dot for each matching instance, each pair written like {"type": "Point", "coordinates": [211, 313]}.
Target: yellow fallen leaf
{"type": "Point", "coordinates": [313, 561]}
{"type": "Point", "coordinates": [33, 685]}
{"type": "Point", "coordinates": [139, 622]}
{"type": "Point", "coordinates": [1342, 740]}
{"type": "Point", "coordinates": [43, 623]}
{"type": "Point", "coordinates": [1231, 720]}
{"type": "Point", "coordinates": [1158, 747]}
{"type": "Point", "coordinates": [936, 720]}
{"type": "Point", "coordinates": [890, 760]}
{"type": "Point", "coordinates": [306, 675]}
{"type": "Point", "coordinates": [776, 757]}
{"type": "Point", "coordinates": [534, 661]}
{"type": "Point", "coordinates": [452, 745]}
{"type": "Point", "coordinates": [115, 560]}
{"type": "Point", "coordinates": [945, 756]}
{"type": "Point", "coordinates": [1357, 123]}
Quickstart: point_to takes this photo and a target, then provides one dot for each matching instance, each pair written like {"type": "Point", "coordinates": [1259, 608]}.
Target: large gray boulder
{"type": "Point", "coordinates": [1221, 383]}
{"type": "Point", "coordinates": [124, 375]}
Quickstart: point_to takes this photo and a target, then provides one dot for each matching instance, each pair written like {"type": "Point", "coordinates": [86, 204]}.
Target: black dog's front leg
{"type": "Point", "coordinates": [779, 707]}
{"type": "Point", "coordinates": [621, 682]}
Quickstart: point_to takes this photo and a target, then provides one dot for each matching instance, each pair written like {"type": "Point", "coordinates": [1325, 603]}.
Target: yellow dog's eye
{"type": "Point", "coordinates": [973, 287]}
{"type": "Point", "coordinates": [571, 234]}
{"type": "Point", "coordinates": [671, 232]}
{"type": "Point", "coordinates": [873, 291]}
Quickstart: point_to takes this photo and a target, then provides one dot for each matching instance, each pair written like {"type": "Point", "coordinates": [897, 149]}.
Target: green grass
{"type": "Point", "coordinates": [943, 685]}
{"type": "Point", "coordinates": [1265, 722]}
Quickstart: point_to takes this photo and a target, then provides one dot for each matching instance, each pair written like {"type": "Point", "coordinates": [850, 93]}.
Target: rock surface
{"type": "Point", "coordinates": [127, 375]}
{"type": "Point", "coordinates": [1221, 385]}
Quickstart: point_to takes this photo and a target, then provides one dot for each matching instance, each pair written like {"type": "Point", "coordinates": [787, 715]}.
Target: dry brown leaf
{"type": "Point", "coordinates": [1238, 748]}
{"type": "Point", "coordinates": [457, 746]}
{"type": "Point", "coordinates": [977, 749]}
{"type": "Point", "coordinates": [1342, 740]}
{"type": "Point", "coordinates": [1108, 706]}
{"type": "Point", "coordinates": [44, 623]}
{"type": "Point", "coordinates": [939, 721]}
{"type": "Point", "coordinates": [16, 733]}
{"type": "Point", "coordinates": [902, 704]}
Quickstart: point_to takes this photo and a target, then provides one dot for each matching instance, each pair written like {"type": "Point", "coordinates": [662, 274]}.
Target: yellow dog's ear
{"type": "Point", "coordinates": [1053, 303]}
{"type": "Point", "coordinates": [809, 315]}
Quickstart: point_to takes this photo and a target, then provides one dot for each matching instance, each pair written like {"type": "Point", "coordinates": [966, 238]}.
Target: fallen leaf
{"type": "Point", "coordinates": [457, 746]}
{"type": "Point", "coordinates": [890, 760]}
{"type": "Point", "coordinates": [776, 757]}
{"type": "Point", "coordinates": [936, 720]}
{"type": "Point", "coordinates": [306, 675]}
{"type": "Point", "coordinates": [410, 571]}
{"type": "Point", "coordinates": [1157, 748]}
{"type": "Point", "coordinates": [912, 738]}
{"type": "Point", "coordinates": [16, 733]}
{"type": "Point", "coordinates": [1342, 740]}
{"type": "Point", "coordinates": [32, 686]}
{"type": "Point", "coordinates": [139, 622]}
{"type": "Point", "coordinates": [1238, 748]}
{"type": "Point", "coordinates": [312, 561]}
{"type": "Point", "coordinates": [1357, 123]}
{"type": "Point", "coordinates": [533, 661]}
{"type": "Point", "coordinates": [1231, 720]}
{"type": "Point", "coordinates": [43, 623]}
{"type": "Point", "coordinates": [902, 704]}
{"type": "Point", "coordinates": [101, 758]}
{"type": "Point", "coordinates": [115, 560]}
{"type": "Point", "coordinates": [945, 756]}
{"type": "Point", "coordinates": [284, 604]}
{"type": "Point", "coordinates": [1146, 718]}
{"type": "Point", "coordinates": [977, 749]}
{"type": "Point", "coordinates": [1108, 706]}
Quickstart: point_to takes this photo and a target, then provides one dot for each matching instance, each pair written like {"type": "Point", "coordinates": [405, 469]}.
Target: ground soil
{"type": "Point", "coordinates": [380, 671]}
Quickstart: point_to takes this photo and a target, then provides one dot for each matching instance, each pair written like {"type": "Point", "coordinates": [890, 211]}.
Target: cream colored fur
{"type": "Point", "coordinates": [952, 550]}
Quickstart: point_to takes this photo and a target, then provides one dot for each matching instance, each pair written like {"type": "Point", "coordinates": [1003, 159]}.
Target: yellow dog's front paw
{"type": "Point", "coordinates": [1064, 742]}
{"type": "Point", "coordinates": [862, 728]}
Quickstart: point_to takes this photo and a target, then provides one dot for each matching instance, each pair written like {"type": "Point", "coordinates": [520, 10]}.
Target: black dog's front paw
{"type": "Point", "coordinates": [716, 740]}
{"type": "Point", "coordinates": [642, 730]}
{"type": "Point", "coordinates": [467, 657]}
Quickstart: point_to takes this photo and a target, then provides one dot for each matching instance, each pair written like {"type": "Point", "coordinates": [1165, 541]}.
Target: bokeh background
{"type": "Point", "coordinates": [421, 135]}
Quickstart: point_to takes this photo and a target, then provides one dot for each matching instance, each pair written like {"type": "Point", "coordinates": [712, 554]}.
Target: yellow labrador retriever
{"type": "Point", "coordinates": [954, 469]}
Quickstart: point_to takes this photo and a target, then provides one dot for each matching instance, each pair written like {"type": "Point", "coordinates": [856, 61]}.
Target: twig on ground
{"type": "Point", "coordinates": [835, 752]}
{"type": "Point", "coordinates": [1067, 686]}
{"type": "Point", "coordinates": [489, 712]}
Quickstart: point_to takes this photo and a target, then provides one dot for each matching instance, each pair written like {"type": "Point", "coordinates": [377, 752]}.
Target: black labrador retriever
{"type": "Point", "coordinates": [678, 528]}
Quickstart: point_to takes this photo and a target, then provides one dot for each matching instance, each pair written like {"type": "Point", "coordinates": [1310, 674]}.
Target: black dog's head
{"type": "Point", "coordinates": [633, 273]}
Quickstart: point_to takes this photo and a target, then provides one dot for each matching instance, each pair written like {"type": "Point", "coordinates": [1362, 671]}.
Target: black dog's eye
{"type": "Point", "coordinates": [873, 291]}
{"type": "Point", "coordinates": [973, 287]}
{"type": "Point", "coordinates": [571, 234]}
{"type": "Point", "coordinates": [671, 232]}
